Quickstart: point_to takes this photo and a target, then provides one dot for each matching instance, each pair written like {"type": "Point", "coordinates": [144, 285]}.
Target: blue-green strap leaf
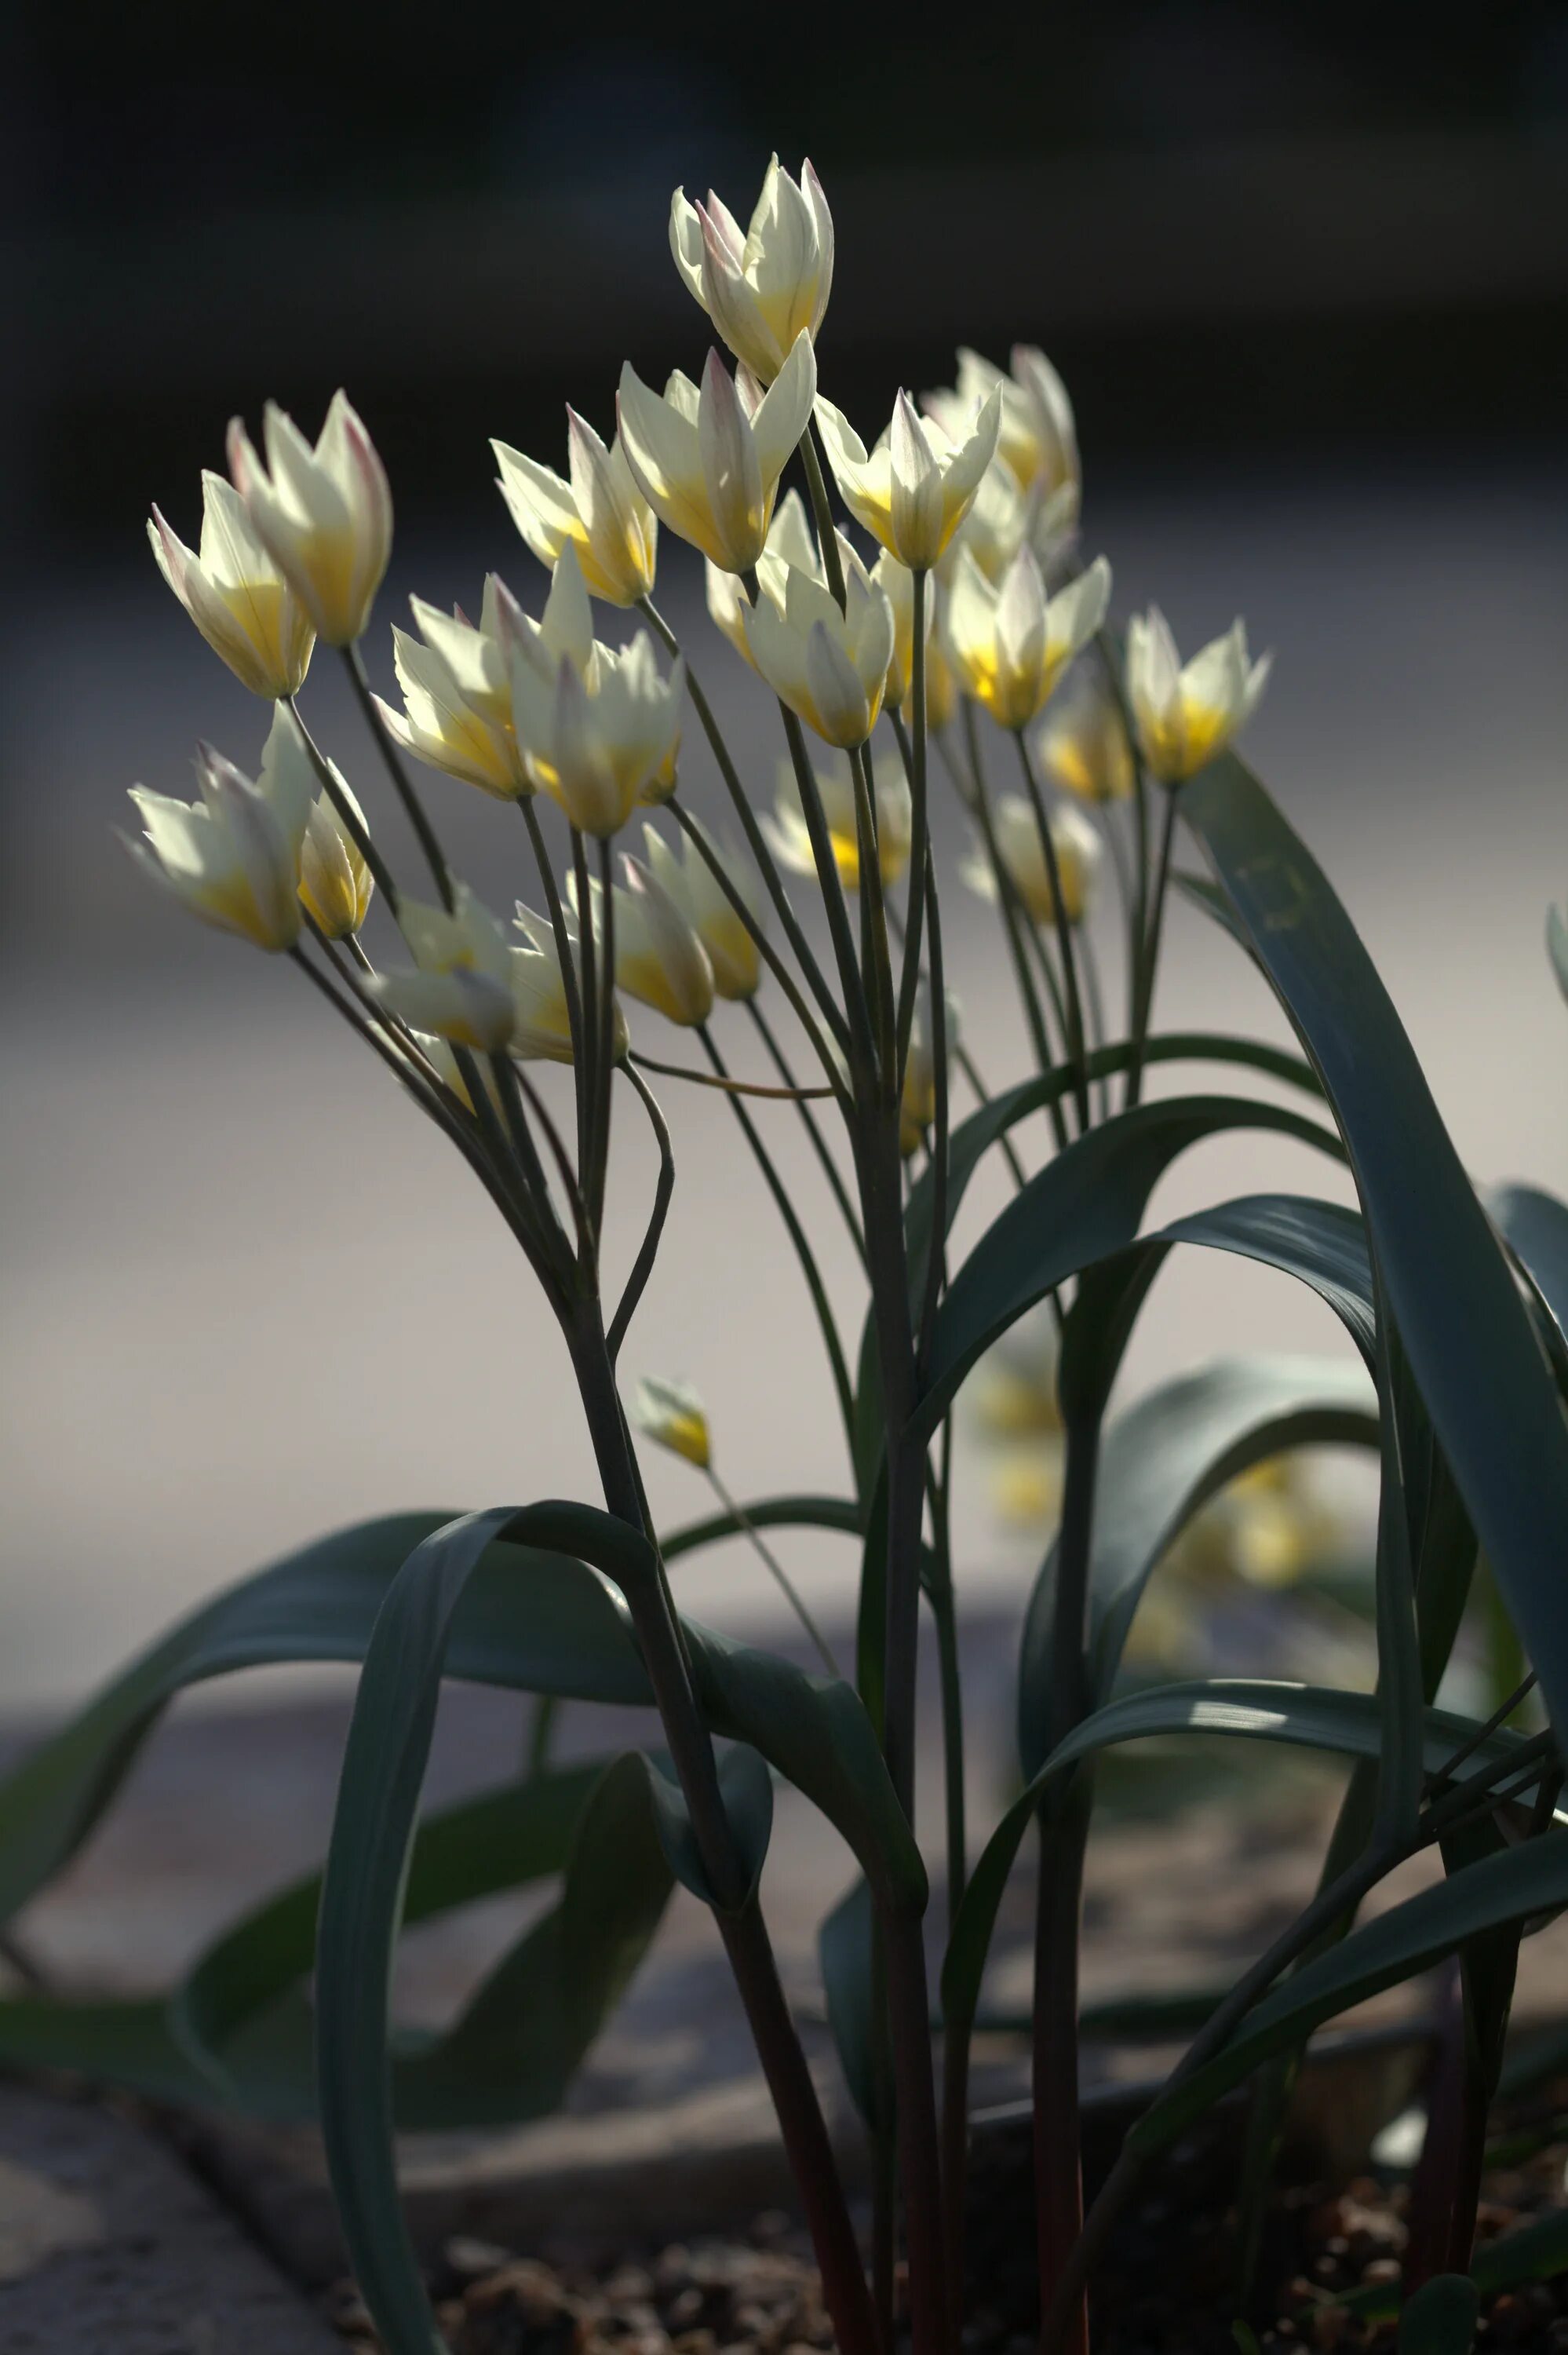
{"type": "Point", "coordinates": [1462, 1322]}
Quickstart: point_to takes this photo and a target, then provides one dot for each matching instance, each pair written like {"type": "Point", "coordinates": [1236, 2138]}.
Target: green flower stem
{"type": "Point", "coordinates": [557, 916]}
{"type": "Point", "coordinates": [1145, 1009]}
{"type": "Point", "coordinates": [642, 1267]}
{"type": "Point", "coordinates": [352, 823]}
{"type": "Point", "coordinates": [541, 1727]}
{"type": "Point", "coordinates": [920, 834]}
{"type": "Point", "coordinates": [842, 1387]}
{"type": "Point", "coordinates": [937, 1255]}
{"type": "Point", "coordinates": [354, 661]}
{"type": "Point", "coordinates": [971, 1070]}
{"type": "Point", "coordinates": [1014, 917]}
{"type": "Point", "coordinates": [1095, 1008]}
{"type": "Point", "coordinates": [765, 948]}
{"type": "Point", "coordinates": [860, 1046]}
{"type": "Point", "coordinates": [874, 960]}
{"type": "Point", "coordinates": [1136, 901]}
{"type": "Point", "coordinates": [829, 1167]}
{"type": "Point", "coordinates": [756, 840]}
{"type": "Point", "coordinates": [1075, 1035]}
{"type": "Point", "coordinates": [776, 1569]}
{"type": "Point", "coordinates": [739, 1917]}
{"type": "Point", "coordinates": [586, 1068]}
{"type": "Point", "coordinates": [823, 516]}
{"type": "Point", "coordinates": [447, 1118]}
{"type": "Point", "coordinates": [605, 1069]}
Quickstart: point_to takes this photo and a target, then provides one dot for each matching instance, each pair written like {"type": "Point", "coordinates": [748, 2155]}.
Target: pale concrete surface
{"type": "Point", "coordinates": [108, 2246]}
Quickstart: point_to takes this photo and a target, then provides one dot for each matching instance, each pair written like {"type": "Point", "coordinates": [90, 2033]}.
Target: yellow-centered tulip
{"type": "Point", "coordinates": [708, 462]}
{"type": "Point", "coordinates": [912, 492]}
{"type": "Point", "coordinates": [829, 668]}
{"type": "Point", "coordinates": [1078, 849]}
{"type": "Point", "coordinates": [1184, 716]}
{"type": "Point", "coordinates": [325, 515]}
{"type": "Point", "coordinates": [543, 1028]}
{"type": "Point", "coordinates": [792, 546]}
{"type": "Point", "coordinates": [460, 988]}
{"type": "Point", "coordinates": [599, 511]}
{"type": "Point", "coordinates": [1039, 439]}
{"type": "Point", "coordinates": [456, 693]}
{"type": "Point", "coordinates": [688, 880]}
{"type": "Point", "coordinates": [235, 593]}
{"type": "Point", "coordinates": [1011, 644]}
{"type": "Point", "coordinates": [787, 830]}
{"type": "Point", "coordinates": [233, 858]}
{"type": "Point", "coordinates": [763, 286]}
{"type": "Point", "coordinates": [659, 957]}
{"type": "Point", "coordinates": [596, 726]}
{"type": "Point", "coordinates": [1082, 746]}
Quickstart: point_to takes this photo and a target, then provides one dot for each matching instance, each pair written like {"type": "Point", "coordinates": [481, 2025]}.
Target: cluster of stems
{"type": "Point", "coordinates": [855, 1010]}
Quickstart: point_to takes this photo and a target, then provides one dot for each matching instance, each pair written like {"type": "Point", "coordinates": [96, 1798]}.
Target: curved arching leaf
{"type": "Point", "coordinates": [1511, 1886]}
{"type": "Point", "coordinates": [1314, 1717]}
{"type": "Point", "coordinates": [972, 1139]}
{"type": "Point", "coordinates": [1160, 1461]}
{"type": "Point", "coordinates": [1084, 1205]}
{"type": "Point", "coordinates": [1534, 1225]}
{"type": "Point", "coordinates": [1466, 1330]}
{"type": "Point", "coordinates": [533, 1617]}
{"type": "Point", "coordinates": [543, 1622]}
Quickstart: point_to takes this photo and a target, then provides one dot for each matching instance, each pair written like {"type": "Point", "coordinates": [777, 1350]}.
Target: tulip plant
{"type": "Point", "coordinates": [937, 622]}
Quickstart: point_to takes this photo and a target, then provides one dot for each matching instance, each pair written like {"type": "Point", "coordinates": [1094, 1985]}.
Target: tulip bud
{"type": "Point", "coordinates": [335, 882]}
{"type": "Point", "coordinates": [235, 595]}
{"type": "Point", "coordinates": [325, 515]}
{"type": "Point", "coordinates": [912, 492]}
{"type": "Point", "coordinates": [544, 1029]}
{"type": "Point", "coordinates": [688, 880]}
{"type": "Point", "coordinates": [708, 462]}
{"type": "Point", "coordinates": [790, 839]}
{"type": "Point", "coordinates": [765, 286]}
{"type": "Point", "coordinates": [1184, 716]}
{"type": "Point", "coordinates": [233, 859]}
{"type": "Point", "coordinates": [600, 512]}
{"type": "Point", "coordinates": [659, 958]}
{"type": "Point", "coordinates": [673, 1415]}
{"type": "Point", "coordinates": [917, 1106]}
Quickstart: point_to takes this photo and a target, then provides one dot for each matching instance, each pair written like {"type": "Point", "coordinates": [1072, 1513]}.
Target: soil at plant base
{"type": "Point", "coordinates": [1167, 2286]}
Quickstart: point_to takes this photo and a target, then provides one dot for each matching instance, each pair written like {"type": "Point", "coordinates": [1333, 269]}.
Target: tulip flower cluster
{"type": "Point", "coordinates": [940, 614]}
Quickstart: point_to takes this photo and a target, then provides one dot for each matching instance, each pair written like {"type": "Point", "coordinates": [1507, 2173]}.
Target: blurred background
{"type": "Point", "coordinates": [1305, 270]}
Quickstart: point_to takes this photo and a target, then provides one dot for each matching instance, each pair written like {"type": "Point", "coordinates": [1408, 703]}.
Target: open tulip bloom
{"type": "Point", "coordinates": [801, 962]}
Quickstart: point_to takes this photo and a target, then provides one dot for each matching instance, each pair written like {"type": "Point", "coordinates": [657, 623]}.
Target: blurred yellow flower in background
{"type": "Point", "coordinates": [1184, 716]}
{"type": "Point", "coordinates": [790, 840]}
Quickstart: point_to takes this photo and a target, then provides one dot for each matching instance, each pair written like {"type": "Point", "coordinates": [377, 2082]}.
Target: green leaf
{"type": "Point", "coordinates": [542, 1623]}
{"type": "Point", "coordinates": [1534, 1225]}
{"type": "Point", "coordinates": [1162, 1461]}
{"type": "Point", "coordinates": [502, 1839]}
{"type": "Point", "coordinates": [533, 1617]}
{"type": "Point", "coordinates": [1508, 1886]}
{"type": "Point", "coordinates": [1081, 1207]}
{"type": "Point", "coordinates": [1313, 1717]}
{"type": "Point", "coordinates": [844, 1946]}
{"type": "Point", "coordinates": [1463, 1325]}
{"type": "Point", "coordinates": [972, 1139]}
{"type": "Point", "coordinates": [1440, 2319]}
{"type": "Point", "coordinates": [361, 1911]}
{"type": "Point", "coordinates": [1557, 946]}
